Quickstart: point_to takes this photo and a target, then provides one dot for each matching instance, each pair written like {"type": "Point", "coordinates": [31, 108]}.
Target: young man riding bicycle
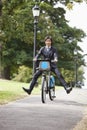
{"type": "Point", "coordinates": [48, 52]}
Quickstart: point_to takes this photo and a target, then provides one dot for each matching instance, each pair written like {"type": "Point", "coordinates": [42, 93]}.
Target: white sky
{"type": "Point", "coordinates": [77, 18]}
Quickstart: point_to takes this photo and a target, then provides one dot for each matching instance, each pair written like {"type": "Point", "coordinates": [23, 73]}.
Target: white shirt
{"type": "Point", "coordinates": [48, 48]}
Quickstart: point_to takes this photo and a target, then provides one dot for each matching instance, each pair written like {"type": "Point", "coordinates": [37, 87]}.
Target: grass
{"type": "Point", "coordinates": [82, 125]}
{"type": "Point", "coordinates": [11, 90]}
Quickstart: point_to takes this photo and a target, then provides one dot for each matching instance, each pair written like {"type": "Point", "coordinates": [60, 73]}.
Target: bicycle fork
{"type": "Point", "coordinates": [45, 79]}
{"type": "Point", "coordinates": [48, 80]}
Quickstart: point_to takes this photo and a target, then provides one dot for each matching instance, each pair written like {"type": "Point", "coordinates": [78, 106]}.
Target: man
{"type": "Point", "coordinates": [48, 52]}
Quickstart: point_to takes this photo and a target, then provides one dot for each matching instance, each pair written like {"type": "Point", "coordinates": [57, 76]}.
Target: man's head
{"type": "Point", "coordinates": [48, 40]}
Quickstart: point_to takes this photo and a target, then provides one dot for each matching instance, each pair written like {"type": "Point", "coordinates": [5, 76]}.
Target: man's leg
{"type": "Point", "coordinates": [60, 77]}
{"type": "Point", "coordinates": [37, 74]}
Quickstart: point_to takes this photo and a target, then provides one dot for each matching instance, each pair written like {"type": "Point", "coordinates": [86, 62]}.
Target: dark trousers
{"type": "Point", "coordinates": [39, 72]}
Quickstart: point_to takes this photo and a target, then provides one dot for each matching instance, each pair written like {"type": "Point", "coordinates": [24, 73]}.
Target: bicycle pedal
{"type": "Point", "coordinates": [46, 92]}
{"type": "Point", "coordinates": [54, 96]}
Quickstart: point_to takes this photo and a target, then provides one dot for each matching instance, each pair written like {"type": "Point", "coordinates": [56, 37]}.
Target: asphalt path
{"type": "Point", "coordinates": [31, 114]}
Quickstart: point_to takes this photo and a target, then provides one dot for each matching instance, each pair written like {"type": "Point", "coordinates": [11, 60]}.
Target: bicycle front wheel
{"type": "Point", "coordinates": [52, 93]}
{"type": "Point", "coordinates": [44, 90]}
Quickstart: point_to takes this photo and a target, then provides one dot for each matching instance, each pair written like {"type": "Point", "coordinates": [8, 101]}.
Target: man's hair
{"type": "Point", "coordinates": [48, 37]}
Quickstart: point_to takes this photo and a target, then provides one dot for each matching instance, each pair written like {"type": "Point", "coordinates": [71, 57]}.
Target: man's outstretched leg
{"type": "Point", "coordinates": [60, 77]}
{"type": "Point", "coordinates": [33, 82]}
{"type": "Point", "coordinates": [28, 91]}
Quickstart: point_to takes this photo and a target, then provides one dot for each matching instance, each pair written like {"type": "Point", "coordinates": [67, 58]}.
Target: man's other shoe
{"type": "Point", "coordinates": [26, 90]}
{"type": "Point", "coordinates": [68, 90]}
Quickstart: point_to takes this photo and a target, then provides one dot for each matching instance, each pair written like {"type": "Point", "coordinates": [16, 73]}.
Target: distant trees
{"type": "Point", "coordinates": [16, 35]}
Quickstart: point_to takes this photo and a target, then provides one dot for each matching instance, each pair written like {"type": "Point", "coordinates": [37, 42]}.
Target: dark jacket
{"type": "Point", "coordinates": [51, 54]}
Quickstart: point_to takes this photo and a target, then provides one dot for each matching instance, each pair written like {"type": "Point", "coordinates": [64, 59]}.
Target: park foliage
{"type": "Point", "coordinates": [17, 33]}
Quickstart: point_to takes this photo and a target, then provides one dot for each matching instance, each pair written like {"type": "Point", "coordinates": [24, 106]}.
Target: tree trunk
{"type": "Point", "coordinates": [0, 44]}
{"type": "Point", "coordinates": [6, 73]}
{"type": "Point", "coordinates": [0, 7]}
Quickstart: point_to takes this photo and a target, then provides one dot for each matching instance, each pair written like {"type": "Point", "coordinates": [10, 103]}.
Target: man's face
{"type": "Point", "coordinates": [48, 42]}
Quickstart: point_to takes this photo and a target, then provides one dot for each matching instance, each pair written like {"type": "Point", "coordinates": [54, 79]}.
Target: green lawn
{"type": "Point", "coordinates": [11, 90]}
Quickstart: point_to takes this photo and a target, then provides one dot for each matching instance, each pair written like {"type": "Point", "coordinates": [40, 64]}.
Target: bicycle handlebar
{"type": "Point", "coordinates": [44, 60]}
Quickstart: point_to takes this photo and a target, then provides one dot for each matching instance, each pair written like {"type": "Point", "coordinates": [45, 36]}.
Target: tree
{"type": "Point", "coordinates": [17, 25]}
{"type": "Point", "coordinates": [18, 35]}
{"type": "Point", "coordinates": [66, 38]}
{"type": "Point", "coordinates": [0, 40]}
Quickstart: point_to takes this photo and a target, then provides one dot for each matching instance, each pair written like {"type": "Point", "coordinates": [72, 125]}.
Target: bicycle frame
{"type": "Point", "coordinates": [46, 75]}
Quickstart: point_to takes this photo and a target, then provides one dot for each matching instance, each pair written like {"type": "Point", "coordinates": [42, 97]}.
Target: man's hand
{"type": "Point", "coordinates": [35, 59]}
{"type": "Point", "coordinates": [55, 60]}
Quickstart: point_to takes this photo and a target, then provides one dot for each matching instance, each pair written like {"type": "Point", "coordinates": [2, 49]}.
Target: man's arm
{"type": "Point", "coordinates": [38, 54]}
{"type": "Point", "coordinates": [55, 56]}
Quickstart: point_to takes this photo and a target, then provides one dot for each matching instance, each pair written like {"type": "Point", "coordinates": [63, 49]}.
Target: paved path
{"type": "Point", "coordinates": [31, 114]}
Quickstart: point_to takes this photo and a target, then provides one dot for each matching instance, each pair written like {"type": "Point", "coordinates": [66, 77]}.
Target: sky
{"type": "Point", "coordinates": [77, 18]}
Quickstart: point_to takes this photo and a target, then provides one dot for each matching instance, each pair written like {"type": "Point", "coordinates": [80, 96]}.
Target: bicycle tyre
{"type": "Point", "coordinates": [44, 90]}
{"type": "Point", "coordinates": [52, 93]}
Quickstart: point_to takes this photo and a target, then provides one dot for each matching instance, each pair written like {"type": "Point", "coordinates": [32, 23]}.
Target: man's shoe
{"type": "Point", "coordinates": [26, 90]}
{"type": "Point", "coordinates": [68, 90]}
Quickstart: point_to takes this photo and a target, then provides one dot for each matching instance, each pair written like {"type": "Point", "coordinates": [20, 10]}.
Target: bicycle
{"type": "Point", "coordinates": [48, 81]}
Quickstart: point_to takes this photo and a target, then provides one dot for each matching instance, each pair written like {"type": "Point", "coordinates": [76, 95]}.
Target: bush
{"type": "Point", "coordinates": [24, 74]}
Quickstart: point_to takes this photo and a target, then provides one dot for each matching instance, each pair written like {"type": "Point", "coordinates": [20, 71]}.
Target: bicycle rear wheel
{"type": "Point", "coordinates": [52, 93]}
{"type": "Point", "coordinates": [44, 90]}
